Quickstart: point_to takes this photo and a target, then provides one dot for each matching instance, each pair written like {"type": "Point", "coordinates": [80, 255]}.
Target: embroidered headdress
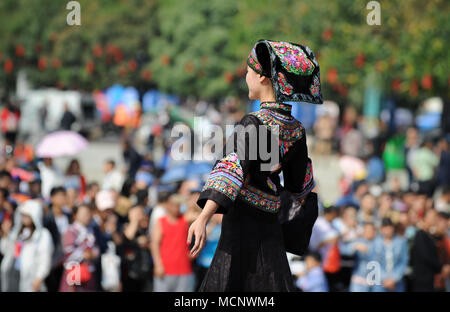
{"type": "Point", "coordinates": [292, 68]}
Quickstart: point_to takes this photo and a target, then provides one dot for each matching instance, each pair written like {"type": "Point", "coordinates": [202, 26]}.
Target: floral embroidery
{"type": "Point", "coordinates": [275, 105]}
{"type": "Point", "coordinates": [286, 88]}
{"type": "Point", "coordinates": [293, 58]}
{"type": "Point", "coordinates": [252, 61]}
{"type": "Point", "coordinates": [315, 87]}
{"type": "Point", "coordinates": [308, 183]}
{"type": "Point", "coordinates": [259, 199]}
{"type": "Point", "coordinates": [289, 128]}
{"type": "Point", "coordinates": [226, 177]}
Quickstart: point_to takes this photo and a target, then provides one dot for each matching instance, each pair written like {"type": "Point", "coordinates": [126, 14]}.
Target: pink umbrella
{"type": "Point", "coordinates": [61, 143]}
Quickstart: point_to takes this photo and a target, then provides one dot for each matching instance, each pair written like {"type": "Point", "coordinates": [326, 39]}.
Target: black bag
{"type": "Point", "coordinates": [297, 221]}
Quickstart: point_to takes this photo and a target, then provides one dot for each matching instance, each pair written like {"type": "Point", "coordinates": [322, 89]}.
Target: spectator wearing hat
{"type": "Point", "coordinates": [391, 252]}
{"type": "Point", "coordinates": [172, 261]}
{"type": "Point", "coordinates": [314, 279]}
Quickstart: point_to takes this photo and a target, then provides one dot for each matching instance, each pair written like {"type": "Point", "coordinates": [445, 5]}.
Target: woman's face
{"type": "Point", "coordinates": [27, 221]}
{"type": "Point", "coordinates": [84, 215]}
{"type": "Point", "coordinates": [254, 84]}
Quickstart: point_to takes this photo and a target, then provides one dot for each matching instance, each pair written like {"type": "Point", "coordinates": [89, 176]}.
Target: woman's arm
{"type": "Point", "coordinates": [198, 227]}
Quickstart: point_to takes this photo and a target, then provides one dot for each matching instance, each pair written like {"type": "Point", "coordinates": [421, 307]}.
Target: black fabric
{"type": "Point", "coordinates": [297, 222]}
{"type": "Point", "coordinates": [251, 255]}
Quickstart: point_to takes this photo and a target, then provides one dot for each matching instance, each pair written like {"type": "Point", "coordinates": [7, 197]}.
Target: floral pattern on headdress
{"type": "Point", "coordinates": [285, 87]}
{"type": "Point", "coordinates": [252, 61]}
{"type": "Point", "coordinates": [315, 87]}
{"type": "Point", "coordinates": [293, 59]}
{"type": "Point", "coordinates": [294, 71]}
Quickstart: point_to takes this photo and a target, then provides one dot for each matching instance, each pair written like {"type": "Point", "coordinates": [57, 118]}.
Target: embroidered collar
{"type": "Point", "coordinates": [279, 107]}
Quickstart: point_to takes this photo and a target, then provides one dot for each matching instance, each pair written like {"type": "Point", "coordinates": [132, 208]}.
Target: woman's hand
{"type": "Point", "coordinates": [198, 228]}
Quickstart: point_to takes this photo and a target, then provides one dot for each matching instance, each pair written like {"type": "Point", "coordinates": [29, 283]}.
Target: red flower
{"type": "Point", "coordinates": [56, 63]}
{"type": "Point", "coordinates": [396, 84]}
{"type": "Point", "coordinates": [42, 63]}
{"type": "Point", "coordinates": [165, 60]}
{"type": "Point", "coordinates": [38, 48]}
{"type": "Point", "coordinates": [98, 50]}
{"type": "Point", "coordinates": [132, 65]}
{"type": "Point", "coordinates": [427, 82]}
{"type": "Point", "coordinates": [146, 74]}
{"type": "Point", "coordinates": [9, 66]}
{"type": "Point", "coordinates": [360, 60]}
{"type": "Point", "coordinates": [332, 75]}
{"type": "Point", "coordinates": [189, 67]}
{"type": "Point", "coordinates": [20, 50]}
{"type": "Point", "coordinates": [118, 55]}
{"type": "Point", "coordinates": [327, 34]}
{"type": "Point", "coordinates": [90, 66]}
{"type": "Point", "coordinates": [414, 88]}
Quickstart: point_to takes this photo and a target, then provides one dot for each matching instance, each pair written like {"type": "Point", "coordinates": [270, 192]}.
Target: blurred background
{"type": "Point", "coordinates": [86, 114]}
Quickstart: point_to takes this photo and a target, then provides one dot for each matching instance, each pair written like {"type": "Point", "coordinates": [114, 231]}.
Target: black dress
{"type": "Point", "coordinates": [250, 255]}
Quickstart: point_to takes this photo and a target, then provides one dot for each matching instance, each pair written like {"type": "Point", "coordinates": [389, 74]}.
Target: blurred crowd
{"type": "Point", "coordinates": [388, 230]}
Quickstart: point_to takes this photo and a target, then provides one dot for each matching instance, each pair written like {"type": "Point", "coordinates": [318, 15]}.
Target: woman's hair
{"type": "Point", "coordinates": [263, 55]}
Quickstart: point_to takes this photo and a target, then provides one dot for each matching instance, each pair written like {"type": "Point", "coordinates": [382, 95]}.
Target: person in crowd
{"type": "Point", "coordinates": [314, 279]}
{"type": "Point", "coordinates": [160, 210]}
{"type": "Point", "coordinates": [172, 261]}
{"type": "Point", "coordinates": [424, 162]}
{"type": "Point", "coordinates": [425, 258]}
{"type": "Point", "coordinates": [391, 252]}
{"type": "Point", "coordinates": [136, 261]}
{"type": "Point", "coordinates": [91, 191]}
{"type": "Point", "coordinates": [27, 249]}
{"type": "Point", "coordinates": [113, 179]}
{"type": "Point", "coordinates": [68, 118]}
{"type": "Point", "coordinates": [444, 162]}
{"type": "Point", "coordinates": [443, 201]}
{"type": "Point", "coordinates": [50, 175]}
{"type": "Point", "coordinates": [367, 209]}
{"type": "Point", "coordinates": [75, 178]}
{"type": "Point", "coordinates": [442, 238]}
{"type": "Point", "coordinates": [9, 117]}
{"type": "Point", "coordinates": [57, 221]}
{"type": "Point", "coordinates": [347, 226]}
{"type": "Point", "coordinates": [363, 250]}
{"type": "Point", "coordinates": [132, 158]}
{"type": "Point", "coordinates": [80, 253]}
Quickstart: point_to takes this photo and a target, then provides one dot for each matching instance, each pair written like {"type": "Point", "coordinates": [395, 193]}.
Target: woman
{"type": "Point", "coordinates": [27, 251]}
{"type": "Point", "coordinates": [251, 254]}
{"type": "Point", "coordinates": [80, 254]}
{"type": "Point", "coordinates": [75, 179]}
